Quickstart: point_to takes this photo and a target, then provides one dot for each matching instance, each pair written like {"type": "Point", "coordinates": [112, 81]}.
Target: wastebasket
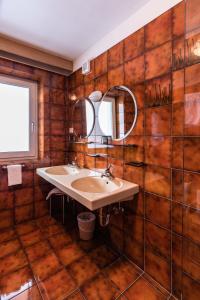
{"type": "Point", "coordinates": [86, 225]}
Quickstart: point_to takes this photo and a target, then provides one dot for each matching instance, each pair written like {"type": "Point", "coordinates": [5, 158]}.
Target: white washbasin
{"type": "Point", "coordinates": [96, 184]}
{"type": "Point", "coordinates": [88, 187]}
{"type": "Point", "coordinates": [61, 170]}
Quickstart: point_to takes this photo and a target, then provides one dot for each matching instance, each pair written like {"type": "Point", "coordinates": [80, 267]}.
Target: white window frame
{"type": "Point", "coordinates": [33, 119]}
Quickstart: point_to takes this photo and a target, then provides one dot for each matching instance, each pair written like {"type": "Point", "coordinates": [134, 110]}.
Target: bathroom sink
{"type": "Point", "coordinates": [88, 187]}
{"type": "Point", "coordinates": [96, 184]}
{"type": "Point", "coordinates": [61, 170]}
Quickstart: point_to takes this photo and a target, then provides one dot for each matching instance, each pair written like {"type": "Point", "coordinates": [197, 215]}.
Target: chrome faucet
{"type": "Point", "coordinates": [107, 173]}
{"type": "Point", "coordinates": [74, 163]}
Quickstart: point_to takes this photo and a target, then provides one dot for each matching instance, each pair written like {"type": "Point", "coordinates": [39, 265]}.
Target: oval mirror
{"type": "Point", "coordinates": [117, 113]}
{"type": "Point", "coordinates": [83, 117]}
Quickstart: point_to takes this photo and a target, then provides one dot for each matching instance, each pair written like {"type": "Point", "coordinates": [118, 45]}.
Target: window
{"type": "Point", "coordinates": [18, 118]}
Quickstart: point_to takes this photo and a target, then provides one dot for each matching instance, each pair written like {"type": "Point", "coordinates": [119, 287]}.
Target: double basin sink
{"type": "Point", "coordinates": [89, 187]}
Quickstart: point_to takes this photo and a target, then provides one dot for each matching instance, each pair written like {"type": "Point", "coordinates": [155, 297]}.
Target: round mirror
{"type": "Point", "coordinates": [117, 113]}
{"type": "Point", "coordinates": [83, 117]}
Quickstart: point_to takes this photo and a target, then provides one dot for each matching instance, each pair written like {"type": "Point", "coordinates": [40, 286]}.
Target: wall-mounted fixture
{"type": "Point", "coordinates": [95, 96]}
{"type": "Point", "coordinates": [86, 68]}
{"type": "Point", "coordinates": [73, 97]}
{"type": "Point", "coordinates": [117, 113]}
{"type": "Point", "coordinates": [83, 118]}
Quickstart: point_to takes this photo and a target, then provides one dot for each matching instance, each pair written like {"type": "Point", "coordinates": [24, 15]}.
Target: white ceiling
{"type": "Point", "coordinates": [64, 27]}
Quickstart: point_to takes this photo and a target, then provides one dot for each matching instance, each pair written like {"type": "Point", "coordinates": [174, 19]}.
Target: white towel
{"type": "Point", "coordinates": [14, 174]}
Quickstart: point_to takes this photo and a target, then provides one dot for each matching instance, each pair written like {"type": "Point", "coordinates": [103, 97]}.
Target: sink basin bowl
{"type": "Point", "coordinates": [61, 170]}
{"type": "Point", "coordinates": [96, 184]}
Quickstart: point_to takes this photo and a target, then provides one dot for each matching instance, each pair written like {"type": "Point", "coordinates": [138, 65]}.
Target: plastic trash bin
{"type": "Point", "coordinates": [86, 225]}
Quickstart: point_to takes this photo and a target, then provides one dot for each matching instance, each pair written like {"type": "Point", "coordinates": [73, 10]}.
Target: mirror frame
{"type": "Point", "coordinates": [123, 87]}
{"type": "Point", "coordinates": [85, 98]}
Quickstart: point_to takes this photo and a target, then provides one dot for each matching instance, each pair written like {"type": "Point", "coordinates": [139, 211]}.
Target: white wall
{"type": "Point", "coordinates": [147, 13]}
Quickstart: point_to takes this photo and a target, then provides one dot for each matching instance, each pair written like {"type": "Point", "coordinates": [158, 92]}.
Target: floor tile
{"type": "Point", "coordinates": [83, 269]}
{"type": "Point", "coordinates": [70, 253]}
{"type": "Point", "coordinates": [103, 256]}
{"type": "Point", "coordinates": [9, 247]}
{"type": "Point", "coordinates": [15, 283]}
{"type": "Point", "coordinates": [122, 273]}
{"type": "Point", "coordinates": [142, 290]}
{"type": "Point", "coordinates": [99, 289]}
{"type": "Point", "coordinates": [46, 266]}
{"type": "Point", "coordinates": [76, 296]}
{"type": "Point", "coordinates": [32, 238]}
{"type": "Point", "coordinates": [38, 250]}
{"type": "Point", "coordinates": [52, 229]}
{"type": "Point", "coordinates": [45, 221]}
{"type": "Point", "coordinates": [6, 235]}
{"type": "Point", "coordinates": [60, 240]}
{"type": "Point", "coordinates": [29, 294]}
{"type": "Point", "coordinates": [12, 262]}
{"type": "Point", "coordinates": [90, 245]}
{"type": "Point", "coordinates": [26, 227]}
{"type": "Point", "coordinates": [58, 286]}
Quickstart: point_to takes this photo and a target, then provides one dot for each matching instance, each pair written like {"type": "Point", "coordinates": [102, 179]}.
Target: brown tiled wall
{"type": "Point", "coordinates": [160, 228]}
{"type": "Point", "coordinates": [27, 201]}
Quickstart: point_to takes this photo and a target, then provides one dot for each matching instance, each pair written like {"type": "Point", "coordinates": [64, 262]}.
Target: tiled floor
{"type": "Point", "coordinates": [39, 260]}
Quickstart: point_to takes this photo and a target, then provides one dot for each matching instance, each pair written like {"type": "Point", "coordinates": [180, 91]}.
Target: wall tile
{"type": "Point", "coordinates": [101, 83]}
{"type": "Point", "coordinates": [79, 77]}
{"type": "Point", "coordinates": [177, 186]}
{"type": "Point", "coordinates": [134, 227]}
{"type": "Point", "coordinates": [158, 121]}
{"type": "Point", "coordinates": [134, 71]}
{"type": "Point", "coordinates": [23, 213]}
{"type": "Point", "coordinates": [158, 31]}
{"type": "Point", "coordinates": [158, 210]}
{"type": "Point", "coordinates": [158, 181]}
{"type": "Point", "coordinates": [177, 119]}
{"type": "Point", "coordinates": [158, 239]}
{"type": "Point", "coordinates": [100, 64]}
{"type": "Point", "coordinates": [192, 154]}
{"type": "Point", "coordinates": [177, 250]}
{"type": "Point", "coordinates": [178, 86]}
{"type": "Point", "coordinates": [191, 259]}
{"type": "Point", "coordinates": [192, 15]}
{"type": "Point", "coordinates": [134, 251]}
{"type": "Point", "coordinates": [177, 217]}
{"type": "Point", "coordinates": [134, 45]}
{"type": "Point", "coordinates": [115, 56]}
{"type": "Point", "coordinates": [158, 151]}
{"type": "Point", "coordinates": [178, 53]}
{"type": "Point", "coordinates": [134, 174]}
{"type": "Point", "coordinates": [155, 263]}
{"type": "Point", "coordinates": [6, 219]}
{"type": "Point", "coordinates": [192, 189]}
{"type": "Point", "coordinates": [190, 288]}
{"type": "Point", "coordinates": [6, 200]}
{"type": "Point", "coordinates": [23, 196]}
{"type": "Point", "coordinates": [89, 88]}
{"type": "Point", "coordinates": [158, 61]}
{"type": "Point", "coordinates": [178, 19]}
{"type": "Point", "coordinates": [158, 91]}
{"type": "Point", "coordinates": [177, 153]}
{"type": "Point", "coordinates": [191, 223]}
{"type": "Point", "coordinates": [116, 77]}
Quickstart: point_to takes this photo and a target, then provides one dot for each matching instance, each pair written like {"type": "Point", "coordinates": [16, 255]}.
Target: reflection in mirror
{"type": "Point", "coordinates": [117, 113]}
{"type": "Point", "coordinates": [83, 118]}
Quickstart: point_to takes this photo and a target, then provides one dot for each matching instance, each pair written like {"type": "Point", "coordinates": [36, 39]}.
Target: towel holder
{"type": "Point", "coordinates": [5, 167]}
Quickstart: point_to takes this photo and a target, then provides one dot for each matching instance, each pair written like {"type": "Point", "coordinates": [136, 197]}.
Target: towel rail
{"type": "Point", "coordinates": [5, 167]}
